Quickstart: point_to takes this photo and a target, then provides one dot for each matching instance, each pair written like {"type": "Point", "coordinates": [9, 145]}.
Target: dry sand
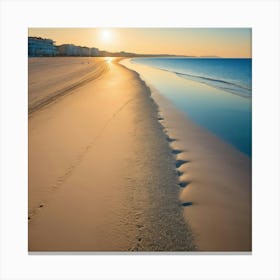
{"type": "Point", "coordinates": [101, 174]}
{"type": "Point", "coordinates": [47, 81]}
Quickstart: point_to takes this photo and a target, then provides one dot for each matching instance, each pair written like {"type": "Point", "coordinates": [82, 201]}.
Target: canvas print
{"type": "Point", "coordinates": [139, 140]}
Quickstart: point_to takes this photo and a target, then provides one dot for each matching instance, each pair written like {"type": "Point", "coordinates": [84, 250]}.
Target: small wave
{"type": "Point", "coordinates": [213, 80]}
{"type": "Point", "coordinates": [231, 87]}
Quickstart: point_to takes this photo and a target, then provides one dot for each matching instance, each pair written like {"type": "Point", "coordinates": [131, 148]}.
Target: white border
{"type": "Point", "coordinates": [262, 16]}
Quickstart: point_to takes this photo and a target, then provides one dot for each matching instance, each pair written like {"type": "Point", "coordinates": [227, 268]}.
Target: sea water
{"type": "Point", "coordinates": [215, 93]}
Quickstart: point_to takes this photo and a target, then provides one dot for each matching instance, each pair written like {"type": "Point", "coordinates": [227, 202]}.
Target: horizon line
{"type": "Point", "coordinates": [140, 54]}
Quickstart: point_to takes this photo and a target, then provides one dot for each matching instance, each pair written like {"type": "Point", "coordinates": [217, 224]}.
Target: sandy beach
{"type": "Point", "coordinates": [114, 166]}
{"type": "Point", "coordinates": [214, 177]}
{"type": "Point", "coordinates": [102, 176]}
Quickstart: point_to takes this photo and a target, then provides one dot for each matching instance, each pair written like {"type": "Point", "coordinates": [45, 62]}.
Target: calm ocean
{"type": "Point", "coordinates": [220, 96]}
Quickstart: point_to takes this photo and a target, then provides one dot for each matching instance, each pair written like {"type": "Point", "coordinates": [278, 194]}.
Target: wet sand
{"type": "Point", "coordinates": [214, 177]}
{"type": "Point", "coordinates": [215, 181]}
{"type": "Point", "coordinates": [101, 173]}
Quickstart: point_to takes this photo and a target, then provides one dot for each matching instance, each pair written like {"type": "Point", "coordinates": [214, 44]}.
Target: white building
{"type": "Point", "coordinates": [94, 51]}
{"type": "Point", "coordinates": [84, 51]}
{"type": "Point", "coordinates": [38, 46]}
{"type": "Point", "coordinates": [68, 50]}
{"type": "Point", "coordinates": [72, 50]}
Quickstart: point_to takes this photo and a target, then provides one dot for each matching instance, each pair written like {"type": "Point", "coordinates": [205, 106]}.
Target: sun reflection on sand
{"type": "Point", "coordinates": [109, 59]}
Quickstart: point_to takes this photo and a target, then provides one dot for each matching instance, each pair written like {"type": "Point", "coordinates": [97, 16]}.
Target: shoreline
{"type": "Point", "coordinates": [167, 173]}
{"type": "Point", "coordinates": [104, 180]}
{"type": "Point", "coordinates": [215, 181]}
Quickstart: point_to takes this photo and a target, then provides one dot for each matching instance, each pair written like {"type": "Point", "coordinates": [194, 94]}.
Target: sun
{"type": "Point", "coordinates": [106, 35]}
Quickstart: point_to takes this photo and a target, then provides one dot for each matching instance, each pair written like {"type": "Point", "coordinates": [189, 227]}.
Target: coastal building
{"type": "Point", "coordinates": [38, 46]}
{"type": "Point", "coordinates": [68, 50]}
{"type": "Point", "coordinates": [72, 50]}
{"type": "Point", "coordinates": [84, 51]}
{"type": "Point", "coordinates": [94, 52]}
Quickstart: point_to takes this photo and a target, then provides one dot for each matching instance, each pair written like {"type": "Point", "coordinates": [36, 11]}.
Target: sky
{"type": "Point", "coordinates": [222, 42]}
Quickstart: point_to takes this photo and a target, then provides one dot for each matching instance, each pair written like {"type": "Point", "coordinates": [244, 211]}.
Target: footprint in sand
{"type": "Point", "coordinates": [180, 162]}
{"type": "Point", "coordinates": [176, 151]}
{"type": "Point", "coordinates": [169, 139]}
{"type": "Point", "coordinates": [185, 204]}
{"type": "Point", "coordinates": [183, 184]}
{"type": "Point", "coordinates": [179, 173]}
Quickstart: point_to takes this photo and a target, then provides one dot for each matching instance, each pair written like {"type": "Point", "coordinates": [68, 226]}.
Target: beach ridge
{"type": "Point", "coordinates": [127, 173]}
